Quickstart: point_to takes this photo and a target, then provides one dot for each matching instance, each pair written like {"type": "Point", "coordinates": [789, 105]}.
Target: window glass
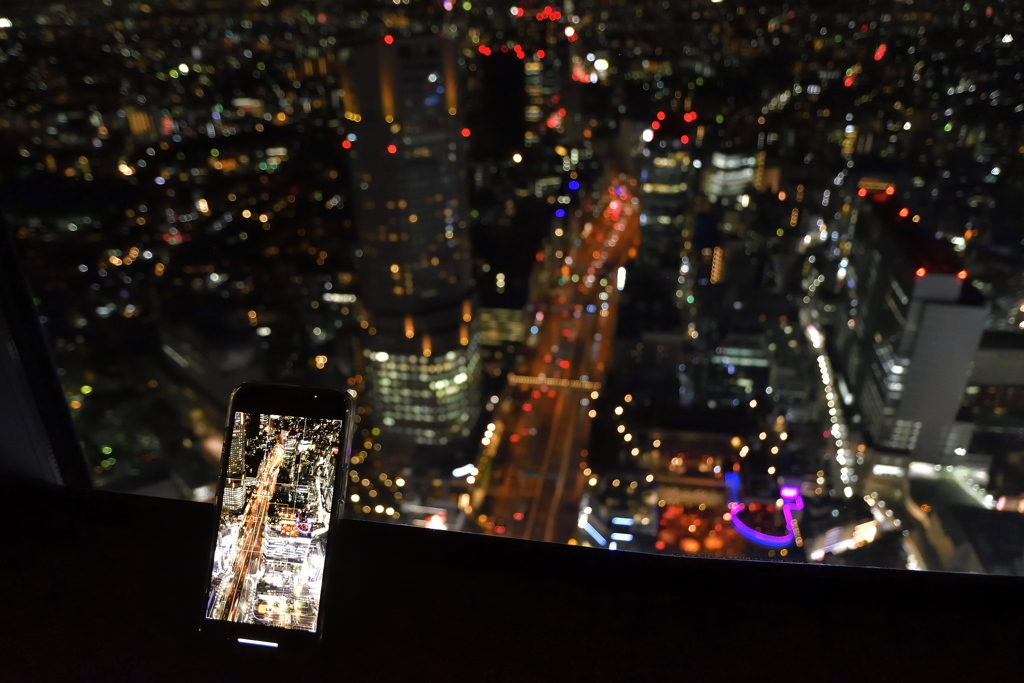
{"type": "Point", "coordinates": [694, 279]}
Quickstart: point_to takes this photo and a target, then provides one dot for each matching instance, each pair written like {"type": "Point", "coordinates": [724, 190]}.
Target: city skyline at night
{"type": "Point", "coordinates": [696, 278]}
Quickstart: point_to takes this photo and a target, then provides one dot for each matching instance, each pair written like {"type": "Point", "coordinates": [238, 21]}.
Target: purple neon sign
{"type": "Point", "coordinates": [791, 500]}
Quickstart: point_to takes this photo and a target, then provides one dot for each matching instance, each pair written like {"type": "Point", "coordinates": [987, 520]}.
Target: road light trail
{"type": "Point", "coordinates": [565, 364]}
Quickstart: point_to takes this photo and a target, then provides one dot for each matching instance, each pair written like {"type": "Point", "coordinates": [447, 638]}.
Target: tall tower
{"type": "Point", "coordinates": [421, 349]}
{"type": "Point", "coordinates": [908, 330]}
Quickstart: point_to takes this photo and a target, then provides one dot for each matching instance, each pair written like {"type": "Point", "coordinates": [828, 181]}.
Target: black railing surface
{"type": "Point", "coordinates": [108, 587]}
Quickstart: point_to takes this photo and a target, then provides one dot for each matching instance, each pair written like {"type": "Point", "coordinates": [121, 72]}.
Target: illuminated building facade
{"type": "Point", "coordinates": [421, 351]}
{"type": "Point", "coordinates": [908, 331]}
{"type": "Point", "coordinates": [664, 186]}
{"type": "Point", "coordinates": [730, 176]}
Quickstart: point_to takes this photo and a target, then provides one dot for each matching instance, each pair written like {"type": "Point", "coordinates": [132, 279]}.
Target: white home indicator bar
{"type": "Point", "coordinates": [264, 643]}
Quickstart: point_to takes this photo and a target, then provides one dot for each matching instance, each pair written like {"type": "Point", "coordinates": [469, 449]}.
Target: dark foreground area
{"type": "Point", "coordinates": [104, 586]}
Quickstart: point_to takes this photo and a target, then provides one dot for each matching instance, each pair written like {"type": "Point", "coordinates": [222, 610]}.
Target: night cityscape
{"type": "Point", "coordinates": [691, 277]}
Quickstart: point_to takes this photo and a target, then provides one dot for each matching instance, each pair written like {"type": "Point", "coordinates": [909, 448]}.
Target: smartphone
{"type": "Point", "coordinates": [280, 497]}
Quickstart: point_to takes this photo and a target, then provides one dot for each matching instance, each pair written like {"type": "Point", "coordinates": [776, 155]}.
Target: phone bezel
{"type": "Point", "coordinates": [296, 401]}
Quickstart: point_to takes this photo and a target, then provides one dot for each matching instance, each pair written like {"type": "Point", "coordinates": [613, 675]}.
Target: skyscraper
{"type": "Point", "coordinates": [907, 333]}
{"type": "Point", "coordinates": [420, 351]}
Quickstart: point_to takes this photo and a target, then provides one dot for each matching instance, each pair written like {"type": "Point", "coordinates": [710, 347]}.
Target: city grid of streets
{"type": "Point", "coordinates": [276, 509]}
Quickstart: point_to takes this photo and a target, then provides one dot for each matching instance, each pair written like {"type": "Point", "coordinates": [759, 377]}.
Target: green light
{"type": "Point", "coordinates": [174, 73]}
{"type": "Point", "coordinates": [948, 127]}
{"type": "Point", "coordinates": [689, 299]}
{"type": "Point", "coordinates": [467, 6]}
{"type": "Point", "coordinates": [86, 389]}
{"type": "Point", "coordinates": [107, 450]}
{"type": "Point", "coordinates": [375, 431]}
{"type": "Point", "coordinates": [261, 66]}
{"type": "Point", "coordinates": [263, 166]}
{"type": "Point", "coordinates": [214, 152]}
{"type": "Point", "coordinates": [719, 119]}
{"type": "Point", "coordinates": [474, 213]}
{"type": "Point", "coordinates": [700, 81]}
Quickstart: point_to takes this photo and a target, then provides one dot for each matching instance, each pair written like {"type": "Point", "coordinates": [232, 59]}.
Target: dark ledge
{"type": "Point", "coordinates": [104, 587]}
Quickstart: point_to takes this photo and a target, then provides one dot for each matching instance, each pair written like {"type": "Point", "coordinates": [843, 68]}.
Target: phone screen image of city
{"type": "Point", "coordinates": [275, 513]}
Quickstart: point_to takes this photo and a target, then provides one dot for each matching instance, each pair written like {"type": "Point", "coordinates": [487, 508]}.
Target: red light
{"type": "Point", "coordinates": [527, 407]}
{"type": "Point", "coordinates": [514, 438]}
{"type": "Point", "coordinates": [848, 81]}
{"type": "Point", "coordinates": [920, 272]}
{"type": "Point", "coordinates": [962, 275]}
{"type": "Point", "coordinates": [518, 516]}
{"type": "Point", "coordinates": [346, 144]}
{"type": "Point", "coordinates": [904, 212]}
{"type": "Point", "coordinates": [655, 125]}
{"type": "Point", "coordinates": [690, 116]}
{"type": "Point", "coordinates": [661, 116]}
{"type": "Point", "coordinates": [499, 529]}
{"type": "Point", "coordinates": [880, 52]}
{"type": "Point", "coordinates": [465, 132]}
{"type": "Point", "coordinates": [564, 364]}
{"type": "Point", "coordinates": [535, 393]}
{"type": "Point", "coordinates": [389, 39]}
{"type": "Point", "coordinates": [392, 149]}
{"type": "Point", "coordinates": [685, 139]}
{"type": "Point", "coordinates": [484, 50]}
{"type": "Point", "coordinates": [541, 54]}
{"type": "Point", "coordinates": [862, 192]}
{"type": "Point", "coordinates": [891, 190]}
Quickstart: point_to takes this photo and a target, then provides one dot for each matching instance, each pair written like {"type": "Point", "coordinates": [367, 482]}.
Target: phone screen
{"type": "Point", "coordinates": [268, 563]}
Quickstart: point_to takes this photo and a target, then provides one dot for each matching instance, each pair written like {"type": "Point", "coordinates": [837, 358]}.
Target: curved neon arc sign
{"type": "Point", "coordinates": [791, 501]}
{"type": "Point", "coordinates": [759, 537]}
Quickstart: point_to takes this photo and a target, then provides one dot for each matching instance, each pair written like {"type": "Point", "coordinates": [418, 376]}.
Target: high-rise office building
{"type": "Point", "coordinates": [408, 167]}
{"type": "Point", "coordinates": [731, 175]}
{"type": "Point", "coordinates": [907, 331]}
{"type": "Point", "coordinates": [663, 177]}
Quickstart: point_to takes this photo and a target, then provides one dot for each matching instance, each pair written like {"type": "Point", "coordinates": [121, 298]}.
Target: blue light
{"type": "Point", "coordinates": [560, 213]}
{"type": "Point", "coordinates": [622, 537]}
{"type": "Point", "coordinates": [623, 521]}
{"type": "Point", "coordinates": [534, 330]}
{"type": "Point", "coordinates": [593, 534]}
{"type": "Point", "coordinates": [574, 185]}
